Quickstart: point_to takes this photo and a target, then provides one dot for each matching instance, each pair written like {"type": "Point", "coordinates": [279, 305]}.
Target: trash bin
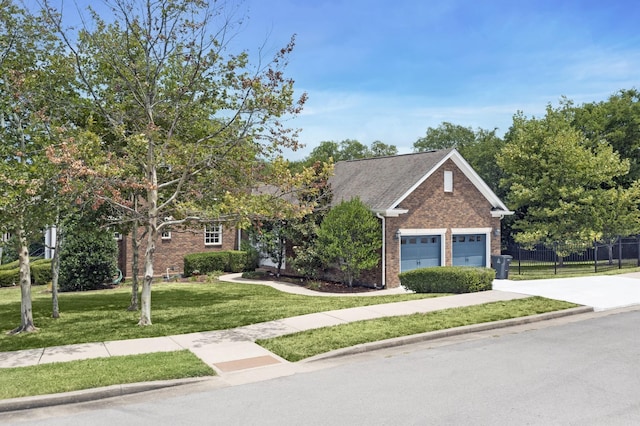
{"type": "Point", "coordinates": [501, 265]}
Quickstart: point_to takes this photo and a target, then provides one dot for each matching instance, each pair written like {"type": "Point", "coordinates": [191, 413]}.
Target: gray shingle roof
{"type": "Point", "coordinates": [381, 181]}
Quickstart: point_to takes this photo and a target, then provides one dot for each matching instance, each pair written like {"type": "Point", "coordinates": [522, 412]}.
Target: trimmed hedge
{"type": "Point", "coordinates": [226, 261]}
{"type": "Point", "coordinates": [40, 274]}
{"type": "Point", "coordinates": [448, 279]}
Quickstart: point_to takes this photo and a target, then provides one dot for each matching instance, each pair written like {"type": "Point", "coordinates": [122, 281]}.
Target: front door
{"type": "Point", "coordinates": [419, 251]}
{"type": "Point", "coordinates": [469, 250]}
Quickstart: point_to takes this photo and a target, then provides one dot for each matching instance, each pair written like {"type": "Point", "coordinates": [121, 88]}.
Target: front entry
{"type": "Point", "coordinates": [420, 251]}
{"type": "Point", "coordinates": [469, 250]}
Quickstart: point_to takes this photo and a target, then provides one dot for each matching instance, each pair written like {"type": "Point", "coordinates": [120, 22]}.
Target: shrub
{"type": "Point", "coordinates": [87, 257]}
{"type": "Point", "coordinates": [448, 279]}
{"type": "Point", "coordinates": [204, 263]}
{"type": "Point", "coordinates": [41, 272]}
{"type": "Point", "coordinates": [10, 265]}
{"type": "Point", "coordinates": [9, 277]}
{"type": "Point", "coordinates": [238, 261]}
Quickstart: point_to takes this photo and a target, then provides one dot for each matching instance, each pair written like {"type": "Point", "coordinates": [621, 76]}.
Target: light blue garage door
{"type": "Point", "coordinates": [469, 250]}
{"type": "Point", "coordinates": [420, 251]}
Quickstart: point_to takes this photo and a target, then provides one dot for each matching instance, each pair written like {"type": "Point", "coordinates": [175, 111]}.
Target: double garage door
{"type": "Point", "coordinates": [423, 251]}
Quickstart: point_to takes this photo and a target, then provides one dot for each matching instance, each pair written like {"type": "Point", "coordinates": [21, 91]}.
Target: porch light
{"type": "Point", "coordinates": [397, 235]}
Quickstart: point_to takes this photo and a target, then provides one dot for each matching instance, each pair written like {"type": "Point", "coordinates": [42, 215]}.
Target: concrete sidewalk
{"type": "Point", "coordinates": [233, 353]}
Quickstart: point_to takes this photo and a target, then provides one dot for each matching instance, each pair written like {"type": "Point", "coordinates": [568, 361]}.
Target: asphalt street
{"type": "Point", "coordinates": [570, 371]}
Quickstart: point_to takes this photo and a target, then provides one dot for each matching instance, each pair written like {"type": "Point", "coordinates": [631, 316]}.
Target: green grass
{"type": "Point", "coordinates": [77, 375]}
{"type": "Point", "coordinates": [539, 272]}
{"type": "Point", "coordinates": [295, 347]}
{"type": "Point", "coordinates": [176, 308]}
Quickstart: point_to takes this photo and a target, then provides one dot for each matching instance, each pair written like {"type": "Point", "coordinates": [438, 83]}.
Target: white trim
{"type": "Point", "coordinates": [423, 231]}
{"type": "Point", "coordinates": [390, 212]}
{"type": "Point", "coordinates": [165, 235]}
{"type": "Point", "coordinates": [501, 213]}
{"type": "Point", "coordinates": [384, 250]}
{"type": "Point", "coordinates": [448, 181]}
{"type": "Point", "coordinates": [485, 231]}
{"type": "Point", "coordinates": [469, 173]}
{"type": "Point", "coordinates": [219, 242]}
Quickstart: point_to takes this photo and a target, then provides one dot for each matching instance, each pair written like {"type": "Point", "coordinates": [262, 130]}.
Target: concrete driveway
{"type": "Point", "coordinates": [600, 292]}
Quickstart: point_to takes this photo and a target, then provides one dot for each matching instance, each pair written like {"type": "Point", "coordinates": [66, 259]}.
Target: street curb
{"type": "Point", "coordinates": [439, 334]}
{"type": "Point", "coordinates": [87, 395]}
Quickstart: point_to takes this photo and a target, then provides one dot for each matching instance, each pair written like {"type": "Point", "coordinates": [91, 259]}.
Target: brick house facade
{"type": "Point", "coordinates": [172, 246]}
{"type": "Point", "coordinates": [435, 210]}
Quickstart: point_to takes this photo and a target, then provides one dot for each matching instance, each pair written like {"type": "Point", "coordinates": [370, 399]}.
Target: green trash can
{"type": "Point", "coordinates": [501, 264]}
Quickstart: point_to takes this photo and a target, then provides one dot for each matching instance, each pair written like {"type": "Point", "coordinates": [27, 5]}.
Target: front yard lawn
{"type": "Point", "coordinates": [176, 308]}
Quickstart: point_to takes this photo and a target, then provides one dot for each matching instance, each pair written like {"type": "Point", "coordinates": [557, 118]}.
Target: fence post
{"type": "Point", "coordinates": [520, 257]}
{"type": "Point", "coordinates": [555, 258]}
{"type": "Point", "coordinates": [595, 255]}
{"type": "Point", "coordinates": [619, 252]}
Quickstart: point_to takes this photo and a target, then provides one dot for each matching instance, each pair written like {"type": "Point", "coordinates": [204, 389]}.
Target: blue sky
{"type": "Point", "coordinates": [388, 70]}
{"type": "Point", "coordinates": [381, 70]}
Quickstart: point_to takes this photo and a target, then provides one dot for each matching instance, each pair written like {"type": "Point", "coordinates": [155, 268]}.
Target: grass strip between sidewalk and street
{"type": "Point", "coordinates": [53, 378]}
{"type": "Point", "coordinates": [305, 344]}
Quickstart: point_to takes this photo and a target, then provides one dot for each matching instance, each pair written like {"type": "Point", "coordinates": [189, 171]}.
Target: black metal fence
{"type": "Point", "coordinates": [559, 258]}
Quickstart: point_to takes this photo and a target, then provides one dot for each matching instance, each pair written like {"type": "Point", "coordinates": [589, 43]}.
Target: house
{"type": "Point", "coordinates": [434, 208]}
{"type": "Point", "coordinates": [172, 245]}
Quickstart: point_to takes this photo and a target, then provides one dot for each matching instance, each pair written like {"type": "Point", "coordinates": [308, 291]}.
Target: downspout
{"type": "Point", "coordinates": [384, 250]}
{"type": "Point", "coordinates": [239, 239]}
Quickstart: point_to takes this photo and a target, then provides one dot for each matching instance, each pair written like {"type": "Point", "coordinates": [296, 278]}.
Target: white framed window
{"type": "Point", "coordinates": [213, 235]}
{"type": "Point", "coordinates": [165, 235]}
{"type": "Point", "coordinates": [448, 181]}
{"type": "Point", "coordinates": [117, 236]}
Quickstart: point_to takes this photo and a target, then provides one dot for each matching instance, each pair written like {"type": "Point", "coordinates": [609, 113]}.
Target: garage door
{"type": "Point", "coordinates": [421, 251]}
{"type": "Point", "coordinates": [469, 250]}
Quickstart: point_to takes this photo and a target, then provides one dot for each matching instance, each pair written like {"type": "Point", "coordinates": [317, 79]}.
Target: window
{"type": "Point", "coordinates": [165, 235]}
{"type": "Point", "coordinates": [117, 236]}
{"type": "Point", "coordinates": [213, 235]}
{"type": "Point", "coordinates": [448, 181]}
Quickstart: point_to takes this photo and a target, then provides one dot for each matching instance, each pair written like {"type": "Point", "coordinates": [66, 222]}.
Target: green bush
{"type": "Point", "coordinates": [87, 257]}
{"type": "Point", "coordinates": [203, 263]}
{"type": "Point", "coordinates": [40, 273]}
{"type": "Point", "coordinates": [238, 261]}
{"type": "Point", "coordinates": [448, 279]}
{"type": "Point", "coordinates": [9, 277]}
{"type": "Point", "coordinates": [10, 265]}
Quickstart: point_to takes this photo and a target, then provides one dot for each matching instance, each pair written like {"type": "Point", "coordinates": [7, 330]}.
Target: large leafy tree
{"type": "Point", "coordinates": [350, 236]}
{"type": "Point", "coordinates": [560, 182]}
{"type": "Point", "coordinates": [34, 87]}
{"type": "Point", "coordinates": [179, 121]}
{"type": "Point", "coordinates": [479, 147]}
{"type": "Point", "coordinates": [616, 121]}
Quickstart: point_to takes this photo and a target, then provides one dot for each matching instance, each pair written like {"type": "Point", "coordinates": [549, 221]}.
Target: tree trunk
{"type": "Point", "coordinates": [152, 232]}
{"type": "Point", "coordinates": [55, 273]}
{"type": "Point", "coordinates": [26, 312]}
{"type": "Point", "coordinates": [135, 267]}
{"type": "Point", "coordinates": [610, 247]}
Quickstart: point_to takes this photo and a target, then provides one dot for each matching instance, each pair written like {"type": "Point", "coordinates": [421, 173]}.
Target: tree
{"type": "Point", "coordinates": [478, 147]}
{"type": "Point", "coordinates": [381, 149]}
{"type": "Point", "coordinates": [556, 181]}
{"type": "Point", "coordinates": [34, 83]}
{"type": "Point", "coordinates": [270, 239]}
{"type": "Point", "coordinates": [351, 236]}
{"type": "Point", "coordinates": [446, 135]}
{"type": "Point", "coordinates": [178, 119]}
{"type": "Point", "coordinates": [616, 121]}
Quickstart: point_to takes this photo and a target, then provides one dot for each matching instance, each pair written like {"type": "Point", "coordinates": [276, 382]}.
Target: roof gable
{"type": "Point", "coordinates": [382, 183]}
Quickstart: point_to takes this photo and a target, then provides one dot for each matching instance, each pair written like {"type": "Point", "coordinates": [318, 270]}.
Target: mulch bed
{"type": "Point", "coordinates": [318, 285]}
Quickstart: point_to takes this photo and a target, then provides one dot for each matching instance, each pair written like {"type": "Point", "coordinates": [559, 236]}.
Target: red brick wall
{"type": "Point", "coordinates": [170, 252]}
{"type": "Point", "coordinates": [432, 208]}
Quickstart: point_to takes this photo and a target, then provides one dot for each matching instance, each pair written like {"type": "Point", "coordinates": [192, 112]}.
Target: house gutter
{"type": "Point", "coordinates": [384, 250]}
